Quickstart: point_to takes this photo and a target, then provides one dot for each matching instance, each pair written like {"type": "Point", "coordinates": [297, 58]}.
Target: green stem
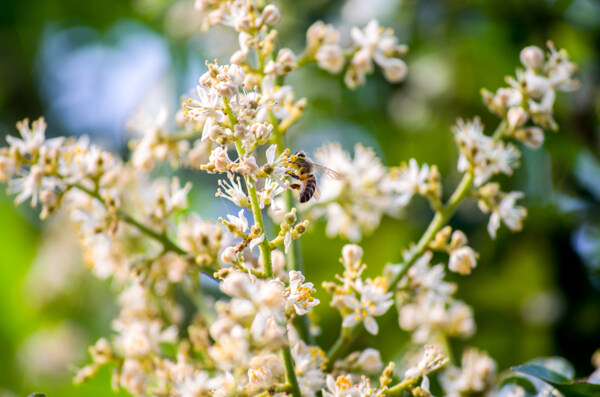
{"type": "Point", "coordinates": [290, 372]}
{"type": "Point", "coordinates": [439, 220]}
{"type": "Point", "coordinates": [265, 249]}
{"type": "Point", "coordinates": [340, 345]}
{"type": "Point", "coordinates": [161, 238]}
{"type": "Point", "coordinates": [398, 389]}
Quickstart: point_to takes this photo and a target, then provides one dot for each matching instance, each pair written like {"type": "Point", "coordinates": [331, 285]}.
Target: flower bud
{"type": "Point", "coordinates": [352, 255]}
{"type": "Point", "coordinates": [270, 15]}
{"type": "Point", "coordinates": [247, 166]}
{"type": "Point", "coordinates": [441, 238]}
{"type": "Point", "coordinates": [532, 57]}
{"type": "Point", "coordinates": [369, 361]}
{"type": "Point", "coordinates": [516, 116]}
{"type": "Point", "coordinates": [394, 70]}
{"type": "Point", "coordinates": [262, 131]}
{"type": "Point", "coordinates": [459, 239]}
{"type": "Point", "coordinates": [301, 227]}
{"type": "Point", "coordinates": [219, 159]}
{"type": "Point", "coordinates": [229, 256]}
{"type": "Point", "coordinates": [278, 261]}
{"type": "Point", "coordinates": [290, 217]}
{"type": "Point", "coordinates": [330, 58]}
{"type": "Point", "coordinates": [462, 260]}
{"type": "Point", "coordinates": [531, 136]}
{"type": "Point", "coordinates": [286, 57]}
{"type": "Point", "coordinates": [238, 58]}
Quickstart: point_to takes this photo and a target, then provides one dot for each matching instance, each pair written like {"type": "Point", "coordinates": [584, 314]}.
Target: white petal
{"type": "Point", "coordinates": [371, 325]}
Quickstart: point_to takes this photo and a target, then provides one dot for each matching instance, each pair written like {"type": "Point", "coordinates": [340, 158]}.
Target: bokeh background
{"type": "Point", "coordinates": [87, 66]}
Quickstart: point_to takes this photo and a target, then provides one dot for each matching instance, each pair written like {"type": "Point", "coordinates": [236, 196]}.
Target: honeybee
{"type": "Point", "coordinates": [304, 174]}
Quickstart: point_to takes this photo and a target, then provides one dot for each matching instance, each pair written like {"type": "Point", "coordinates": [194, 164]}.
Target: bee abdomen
{"type": "Point", "coordinates": [308, 189]}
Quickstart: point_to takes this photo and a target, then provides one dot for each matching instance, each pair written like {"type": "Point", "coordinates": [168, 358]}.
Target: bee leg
{"type": "Point", "coordinates": [295, 186]}
{"type": "Point", "coordinates": [302, 177]}
{"type": "Point", "coordinates": [293, 175]}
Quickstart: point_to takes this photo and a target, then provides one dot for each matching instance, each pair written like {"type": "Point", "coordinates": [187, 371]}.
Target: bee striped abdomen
{"type": "Point", "coordinates": [308, 189]}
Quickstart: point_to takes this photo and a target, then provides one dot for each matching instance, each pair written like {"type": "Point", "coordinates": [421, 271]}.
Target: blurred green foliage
{"type": "Point", "coordinates": [456, 48]}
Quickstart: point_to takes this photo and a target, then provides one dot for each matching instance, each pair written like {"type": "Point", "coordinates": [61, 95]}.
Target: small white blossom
{"type": "Point", "coordinates": [407, 180]}
{"type": "Point", "coordinates": [432, 360]}
{"type": "Point", "coordinates": [219, 159]}
{"type": "Point", "coordinates": [207, 108]}
{"type": "Point", "coordinates": [512, 215]}
{"type": "Point", "coordinates": [462, 260]}
{"type": "Point", "coordinates": [374, 301]}
{"type": "Point", "coordinates": [477, 374]}
{"type": "Point", "coordinates": [239, 221]}
{"type": "Point", "coordinates": [360, 199]}
{"type": "Point", "coordinates": [299, 293]}
{"type": "Point", "coordinates": [33, 138]}
{"type": "Point", "coordinates": [233, 191]}
{"type": "Point", "coordinates": [482, 153]}
{"type": "Point", "coordinates": [308, 362]}
{"type": "Point", "coordinates": [375, 44]}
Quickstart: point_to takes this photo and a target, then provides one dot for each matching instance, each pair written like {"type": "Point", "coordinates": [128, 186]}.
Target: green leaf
{"type": "Point", "coordinates": [519, 380]}
{"type": "Point", "coordinates": [559, 382]}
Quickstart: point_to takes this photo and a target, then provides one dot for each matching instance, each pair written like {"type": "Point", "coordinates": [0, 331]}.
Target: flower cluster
{"type": "Point", "coordinates": [427, 306]}
{"type": "Point", "coordinates": [477, 374]}
{"type": "Point", "coordinates": [243, 327]}
{"type": "Point", "coordinates": [359, 300]}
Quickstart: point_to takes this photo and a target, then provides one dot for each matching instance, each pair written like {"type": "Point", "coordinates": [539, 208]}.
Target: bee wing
{"type": "Point", "coordinates": [317, 193]}
{"type": "Point", "coordinates": [327, 172]}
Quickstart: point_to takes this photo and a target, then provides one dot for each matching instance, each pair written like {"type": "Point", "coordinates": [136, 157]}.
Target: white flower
{"type": "Point", "coordinates": [239, 221]}
{"type": "Point", "coordinates": [462, 260]}
{"type": "Point", "coordinates": [374, 301]}
{"type": "Point", "coordinates": [203, 239]}
{"type": "Point", "coordinates": [246, 166]}
{"type": "Point", "coordinates": [482, 153]}
{"type": "Point", "coordinates": [30, 185]}
{"type": "Point", "coordinates": [155, 143]}
{"type": "Point", "coordinates": [427, 305]}
{"type": "Point", "coordinates": [531, 136]}
{"type": "Point", "coordinates": [273, 98]}
{"type": "Point", "coordinates": [273, 188]}
{"type": "Point", "coordinates": [360, 199]}
{"type": "Point", "coordinates": [308, 367]}
{"type": "Point", "coordinates": [207, 108]}
{"type": "Point", "coordinates": [219, 159]}
{"type": "Point", "coordinates": [431, 361]}
{"type": "Point", "coordinates": [330, 58]}
{"type": "Point", "coordinates": [233, 191]}
{"type": "Point", "coordinates": [369, 361]}
{"type": "Point", "coordinates": [477, 374]}
{"type": "Point", "coordinates": [231, 349]}
{"type": "Point", "coordinates": [560, 70]}
{"type": "Point", "coordinates": [407, 180]}
{"type": "Point", "coordinates": [340, 387]}
{"type": "Point", "coordinates": [140, 338]}
{"type": "Point", "coordinates": [378, 44]}
{"type": "Point", "coordinates": [299, 293]}
{"type": "Point", "coordinates": [532, 57]}
{"type": "Point", "coordinates": [33, 139]}
{"type": "Point", "coordinates": [320, 33]}
{"type": "Point", "coordinates": [133, 376]}
{"type": "Point", "coordinates": [193, 385]}
{"type": "Point", "coordinates": [541, 112]}
{"type": "Point", "coordinates": [507, 212]}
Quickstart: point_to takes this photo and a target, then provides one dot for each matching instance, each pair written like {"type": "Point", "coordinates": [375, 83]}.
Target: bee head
{"type": "Point", "coordinates": [300, 154]}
